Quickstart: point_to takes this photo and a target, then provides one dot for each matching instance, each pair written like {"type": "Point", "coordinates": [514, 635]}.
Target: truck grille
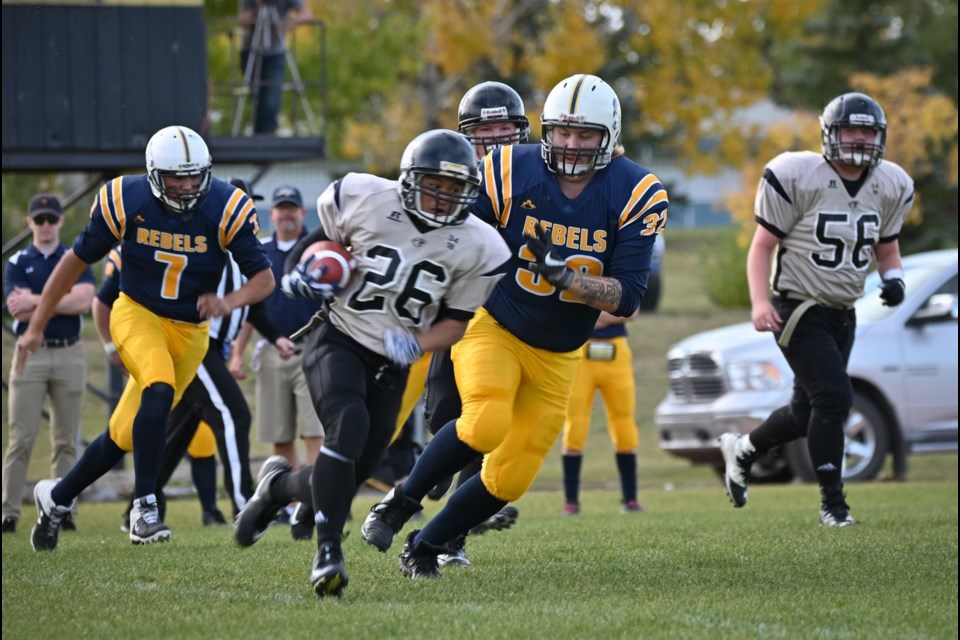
{"type": "Point", "coordinates": [696, 377]}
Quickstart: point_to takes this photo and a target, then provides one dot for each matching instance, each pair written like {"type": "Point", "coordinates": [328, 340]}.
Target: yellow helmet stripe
{"type": "Point", "coordinates": [186, 147]}
{"type": "Point", "coordinates": [575, 94]}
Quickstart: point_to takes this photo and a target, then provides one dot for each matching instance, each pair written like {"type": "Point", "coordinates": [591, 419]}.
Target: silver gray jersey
{"type": "Point", "coordinates": [404, 275]}
{"type": "Point", "coordinates": [826, 235]}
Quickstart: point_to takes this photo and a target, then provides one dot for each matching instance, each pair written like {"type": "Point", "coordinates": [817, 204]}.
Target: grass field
{"type": "Point", "coordinates": [692, 566]}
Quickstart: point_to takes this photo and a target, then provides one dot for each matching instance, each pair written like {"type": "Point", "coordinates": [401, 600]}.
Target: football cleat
{"type": "Point", "coordinates": [262, 508]}
{"type": "Point", "coordinates": [329, 575]}
{"type": "Point", "coordinates": [455, 553]}
{"type": "Point", "coordinates": [46, 533]}
{"type": "Point", "coordinates": [420, 561]}
{"type": "Point", "coordinates": [501, 520]}
{"type": "Point", "coordinates": [834, 510]}
{"type": "Point", "coordinates": [301, 522]}
{"type": "Point", "coordinates": [213, 518]}
{"type": "Point", "coordinates": [571, 508]}
{"type": "Point", "coordinates": [737, 451]}
{"type": "Point", "coordinates": [631, 506]}
{"type": "Point", "coordinates": [145, 524]}
{"type": "Point", "coordinates": [387, 517]}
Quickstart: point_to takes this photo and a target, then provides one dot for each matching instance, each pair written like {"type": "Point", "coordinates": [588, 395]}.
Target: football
{"type": "Point", "coordinates": [333, 263]}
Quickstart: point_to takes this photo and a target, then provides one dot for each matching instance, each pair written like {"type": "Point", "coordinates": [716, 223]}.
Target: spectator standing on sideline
{"type": "Point", "coordinates": [175, 224]}
{"type": "Point", "coordinates": [263, 53]}
{"type": "Point", "coordinates": [826, 218]}
{"type": "Point", "coordinates": [606, 365]}
{"type": "Point", "coordinates": [423, 266]}
{"type": "Point", "coordinates": [59, 370]}
{"type": "Point", "coordinates": [284, 407]}
{"type": "Point", "coordinates": [580, 220]}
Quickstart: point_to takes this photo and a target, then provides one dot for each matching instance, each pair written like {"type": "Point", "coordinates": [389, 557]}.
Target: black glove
{"type": "Point", "coordinates": [892, 292]}
{"type": "Point", "coordinates": [549, 264]}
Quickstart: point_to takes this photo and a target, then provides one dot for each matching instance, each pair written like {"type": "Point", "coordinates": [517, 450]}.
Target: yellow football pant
{"type": "Point", "coordinates": [514, 403]}
{"type": "Point", "coordinates": [204, 443]}
{"type": "Point", "coordinates": [154, 349]}
{"type": "Point", "coordinates": [614, 379]}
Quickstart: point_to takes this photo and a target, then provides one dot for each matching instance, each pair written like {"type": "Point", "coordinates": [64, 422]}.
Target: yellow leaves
{"type": "Point", "coordinates": [916, 121]}
{"type": "Point", "coordinates": [569, 45]}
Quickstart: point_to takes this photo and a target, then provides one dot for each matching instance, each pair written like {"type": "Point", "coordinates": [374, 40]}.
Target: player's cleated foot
{"type": "Point", "coordinates": [737, 451]}
{"type": "Point", "coordinates": [834, 510]}
{"type": "Point", "coordinates": [501, 520]}
{"type": "Point", "coordinates": [455, 554]}
{"type": "Point", "coordinates": [631, 506]}
{"type": "Point", "coordinates": [329, 575]}
{"type": "Point", "coordinates": [69, 523]}
{"type": "Point", "coordinates": [387, 517]}
{"type": "Point", "coordinates": [262, 508]}
{"type": "Point", "coordinates": [145, 524]}
{"type": "Point", "coordinates": [420, 561]}
{"type": "Point", "coordinates": [571, 508]}
{"type": "Point", "coordinates": [213, 518]}
{"type": "Point", "coordinates": [440, 489]}
{"type": "Point", "coordinates": [301, 522]}
{"type": "Point", "coordinates": [46, 533]}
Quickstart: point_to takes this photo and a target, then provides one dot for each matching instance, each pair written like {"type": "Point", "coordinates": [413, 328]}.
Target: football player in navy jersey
{"type": "Point", "coordinates": [580, 219]}
{"type": "Point", "coordinates": [175, 225]}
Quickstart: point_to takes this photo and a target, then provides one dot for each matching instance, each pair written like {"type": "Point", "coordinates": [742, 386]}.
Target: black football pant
{"type": "Point", "coordinates": [215, 397]}
{"type": "Point", "coordinates": [818, 352]}
{"type": "Point", "coordinates": [357, 395]}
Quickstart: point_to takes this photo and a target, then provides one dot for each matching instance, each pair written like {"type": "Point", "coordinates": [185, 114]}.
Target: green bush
{"type": "Point", "coordinates": [725, 270]}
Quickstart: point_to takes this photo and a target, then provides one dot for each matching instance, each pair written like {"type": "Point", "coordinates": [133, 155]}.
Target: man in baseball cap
{"type": "Point", "coordinates": [285, 195]}
{"type": "Point", "coordinates": [44, 203]}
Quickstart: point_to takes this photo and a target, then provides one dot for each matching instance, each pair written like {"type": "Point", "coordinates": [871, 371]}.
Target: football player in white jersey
{"type": "Point", "coordinates": [423, 267]}
{"type": "Point", "coordinates": [828, 218]}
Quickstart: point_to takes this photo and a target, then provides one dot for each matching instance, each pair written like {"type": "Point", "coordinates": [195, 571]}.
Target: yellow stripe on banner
{"type": "Point", "coordinates": [105, 210]}
{"type": "Point", "coordinates": [489, 178]}
{"type": "Point", "coordinates": [506, 177]}
{"type": "Point", "coordinates": [120, 212]}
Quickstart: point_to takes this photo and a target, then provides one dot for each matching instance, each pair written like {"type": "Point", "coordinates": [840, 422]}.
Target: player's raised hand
{"type": "Point", "coordinates": [548, 263]}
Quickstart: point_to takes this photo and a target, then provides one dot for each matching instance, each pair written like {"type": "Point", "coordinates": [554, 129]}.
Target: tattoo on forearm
{"type": "Point", "coordinates": [598, 291]}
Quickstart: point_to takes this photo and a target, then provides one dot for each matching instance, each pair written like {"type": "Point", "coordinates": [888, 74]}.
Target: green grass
{"type": "Point", "coordinates": [690, 567]}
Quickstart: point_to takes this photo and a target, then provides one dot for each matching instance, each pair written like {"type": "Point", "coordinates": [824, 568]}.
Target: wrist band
{"type": "Point", "coordinates": [893, 274]}
{"type": "Point", "coordinates": [110, 348]}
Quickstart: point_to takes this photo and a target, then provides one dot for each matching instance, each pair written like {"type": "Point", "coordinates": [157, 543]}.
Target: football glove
{"type": "Point", "coordinates": [548, 263]}
{"type": "Point", "coordinates": [892, 291]}
{"type": "Point", "coordinates": [401, 346]}
{"type": "Point", "coordinates": [300, 284]}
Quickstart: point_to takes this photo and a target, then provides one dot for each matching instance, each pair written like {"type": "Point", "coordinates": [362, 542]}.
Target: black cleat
{"type": "Point", "coordinates": [46, 533]}
{"type": "Point", "coordinates": [145, 524]}
{"type": "Point", "coordinates": [420, 561]}
{"type": "Point", "coordinates": [301, 522]}
{"type": "Point", "coordinates": [500, 521]}
{"type": "Point", "coordinates": [329, 575]}
{"type": "Point", "coordinates": [262, 509]}
{"type": "Point", "coordinates": [387, 517]}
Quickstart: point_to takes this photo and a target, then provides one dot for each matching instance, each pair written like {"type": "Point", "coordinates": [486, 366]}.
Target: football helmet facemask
{"type": "Point", "coordinates": [445, 154]}
{"type": "Point", "coordinates": [489, 103]}
{"type": "Point", "coordinates": [580, 102]}
{"type": "Point", "coordinates": [178, 151]}
{"type": "Point", "coordinates": [853, 110]}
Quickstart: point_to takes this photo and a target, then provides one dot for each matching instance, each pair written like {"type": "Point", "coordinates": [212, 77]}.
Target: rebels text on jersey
{"type": "Point", "coordinates": [827, 234]}
{"type": "Point", "coordinates": [608, 230]}
{"type": "Point", "coordinates": [406, 274]}
{"type": "Point", "coordinates": [169, 259]}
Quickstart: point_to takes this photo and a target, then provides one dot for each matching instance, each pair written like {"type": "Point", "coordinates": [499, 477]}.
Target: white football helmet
{"type": "Point", "coordinates": [178, 151]}
{"type": "Point", "coordinates": [586, 102]}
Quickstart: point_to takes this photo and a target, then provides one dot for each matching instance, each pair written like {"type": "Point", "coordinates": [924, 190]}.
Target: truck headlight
{"type": "Point", "coordinates": [754, 376]}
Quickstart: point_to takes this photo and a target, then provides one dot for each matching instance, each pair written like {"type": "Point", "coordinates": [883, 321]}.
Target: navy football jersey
{"type": "Point", "coordinates": [608, 230]}
{"type": "Point", "coordinates": [169, 259]}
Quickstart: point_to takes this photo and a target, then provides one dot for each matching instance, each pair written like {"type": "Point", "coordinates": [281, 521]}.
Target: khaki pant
{"type": "Point", "coordinates": [61, 374]}
{"type": "Point", "coordinates": [283, 399]}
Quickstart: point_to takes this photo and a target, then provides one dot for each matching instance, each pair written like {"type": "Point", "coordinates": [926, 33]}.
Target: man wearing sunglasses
{"type": "Point", "coordinates": [60, 368]}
